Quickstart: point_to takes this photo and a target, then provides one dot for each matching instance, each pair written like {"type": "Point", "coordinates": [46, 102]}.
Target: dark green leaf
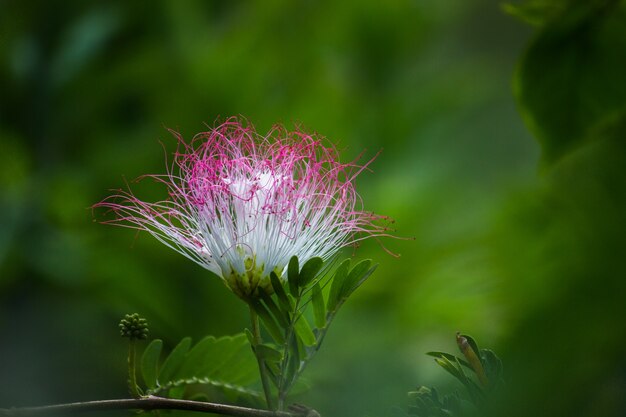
{"type": "Point", "coordinates": [174, 360]}
{"type": "Point", "coordinates": [296, 355]}
{"type": "Point", "coordinates": [273, 370]}
{"type": "Point", "coordinates": [492, 365]}
{"type": "Point", "coordinates": [249, 336]}
{"type": "Point", "coordinates": [319, 311]}
{"type": "Point", "coordinates": [304, 332]}
{"type": "Point", "coordinates": [269, 322]}
{"type": "Point", "coordinates": [228, 350]}
{"type": "Point", "coordinates": [283, 299]}
{"type": "Point", "coordinates": [280, 316]}
{"type": "Point", "coordinates": [196, 356]}
{"type": "Point", "coordinates": [150, 362]}
{"type": "Point", "coordinates": [226, 363]}
{"type": "Point", "coordinates": [293, 271]}
{"type": "Point", "coordinates": [337, 283]}
{"type": "Point", "coordinates": [269, 353]}
{"type": "Point", "coordinates": [536, 12]}
{"type": "Point", "coordinates": [293, 362]}
{"type": "Point", "coordinates": [309, 271]}
{"type": "Point", "coordinates": [570, 80]}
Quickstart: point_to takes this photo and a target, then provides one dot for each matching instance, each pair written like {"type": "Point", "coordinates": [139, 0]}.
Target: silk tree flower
{"type": "Point", "coordinates": [242, 204]}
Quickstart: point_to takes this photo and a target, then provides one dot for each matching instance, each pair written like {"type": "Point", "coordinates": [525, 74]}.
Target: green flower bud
{"type": "Point", "coordinates": [134, 327]}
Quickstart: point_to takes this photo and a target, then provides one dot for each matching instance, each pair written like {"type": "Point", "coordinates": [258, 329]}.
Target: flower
{"type": "Point", "coordinates": [241, 204]}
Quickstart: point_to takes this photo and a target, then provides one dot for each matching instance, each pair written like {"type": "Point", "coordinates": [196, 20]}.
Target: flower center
{"type": "Point", "coordinates": [245, 285]}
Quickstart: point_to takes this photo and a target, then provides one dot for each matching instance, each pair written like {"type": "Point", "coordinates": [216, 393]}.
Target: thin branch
{"type": "Point", "coordinates": [147, 403]}
{"type": "Point", "coordinates": [256, 333]}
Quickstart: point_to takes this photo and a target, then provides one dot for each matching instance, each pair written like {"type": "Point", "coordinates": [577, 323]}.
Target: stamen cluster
{"type": "Point", "coordinates": [241, 204]}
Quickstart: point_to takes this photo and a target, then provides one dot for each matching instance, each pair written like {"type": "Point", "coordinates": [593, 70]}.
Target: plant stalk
{"type": "Point", "coordinates": [132, 373]}
{"type": "Point", "coordinates": [256, 333]}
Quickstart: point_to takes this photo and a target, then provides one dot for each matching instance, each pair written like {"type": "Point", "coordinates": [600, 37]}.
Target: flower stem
{"type": "Point", "coordinates": [256, 333]}
{"type": "Point", "coordinates": [132, 375]}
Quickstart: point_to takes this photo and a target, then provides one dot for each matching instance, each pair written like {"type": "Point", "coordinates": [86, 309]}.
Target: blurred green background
{"type": "Point", "coordinates": [519, 227]}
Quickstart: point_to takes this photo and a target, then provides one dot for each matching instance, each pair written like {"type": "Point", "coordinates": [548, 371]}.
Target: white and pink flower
{"type": "Point", "coordinates": [241, 204]}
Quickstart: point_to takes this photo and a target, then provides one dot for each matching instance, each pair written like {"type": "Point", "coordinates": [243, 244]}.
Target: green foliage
{"type": "Point", "coordinates": [149, 363]}
{"type": "Point", "coordinates": [309, 271]}
{"type": "Point", "coordinates": [174, 360]}
{"type": "Point", "coordinates": [482, 380]}
{"type": "Point", "coordinates": [570, 80]}
{"type": "Point", "coordinates": [536, 12]}
{"type": "Point", "coordinates": [428, 403]}
{"type": "Point", "coordinates": [224, 365]}
{"type": "Point", "coordinates": [319, 309]}
{"type": "Point", "coordinates": [284, 315]}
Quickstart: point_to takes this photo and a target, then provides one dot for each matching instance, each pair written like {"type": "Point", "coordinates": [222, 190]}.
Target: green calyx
{"type": "Point", "coordinates": [134, 327]}
{"type": "Point", "coordinates": [246, 285]}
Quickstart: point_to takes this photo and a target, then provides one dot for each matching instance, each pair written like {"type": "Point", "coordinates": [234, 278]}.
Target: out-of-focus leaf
{"type": "Point", "coordinates": [469, 348]}
{"type": "Point", "coordinates": [293, 363]}
{"type": "Point", "coordinates": [250, 337]}
{"type": "Point", "coordinates": [174, 360]}
{"type": "Point", "coordinates": [319, 310]}
{"type": "Point", "coordinates": [570, 79]}
{"type": "Point", "coordinates": [226, 363]}
{"type": "Point", "coordinates": [309, 271]}
{"type": "Point", "coordinates": [268, 352]}
{"type": "Point", "coordinates": [450, 367]}
{"type": "Point", "coordinates": [536, 12]}
{"type": "Point", "coordinates": [471, 342]}
{"type": "Point", "coordinates": [449, 357]}
{"type": "Point", "coordinates": [150, 363]}
{"type": "Point", "coordinates": [492, 366]}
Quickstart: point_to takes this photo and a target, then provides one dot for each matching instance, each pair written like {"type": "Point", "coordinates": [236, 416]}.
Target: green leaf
{"type": "Point", "coordinates": [250, 337]}
{"type": "Point", "coordinates": [337, 283]}
{"type": "Point", "coordinates": [197, 355]}
{"type": "Point", "coordinates": [319, 311]}
{"type": "Point", "coordinates": [150, 362]}
{"type": "Point", "coordinates": [451, 368]}
{"type": "Point", "coordinates": [449, 357]}
{"type": "Point", "coordinates": [304, 332]}
{"type": "Point", "coordinates": [309, 271]}
{"type": "Point", "coordinates": [225, 363]}
{"type": "Point", "coordinates": [536, 12]}
{"type": "Point", "coordinates": [293, 271]}
{"type": "Point", "coordinates": [293, 362]}
{"type": "Point", "coordinates": [279, 290]}
{"type": "Point", "coordinates": [492, 366]}
{"type": "Point", "coordinates": [280, 316]}
{"type": "Point", "coordinates": [269, 353]}
{"type": "Point", "coordinates": [356, 277]}
{"type": "Point", "coordinates": [296, 355]}
{"type": "Point", "coordinates": [269, 322]}
{"type": "Point", "coordinates": [174, 360]}
{"type": "Point", "coordinates": [570, 79]}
